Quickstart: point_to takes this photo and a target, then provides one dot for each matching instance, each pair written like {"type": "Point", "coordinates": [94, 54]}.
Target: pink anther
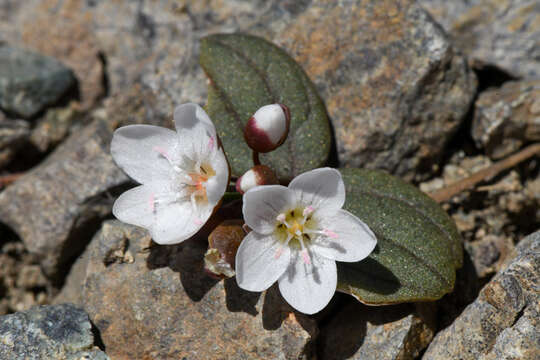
{"type": "Point", "coordinates": [211, 143]}
{"type": "Point", "coordinates": [308, 211]}
{"type": "Point", "coordinates": [305, 257]}
{"type": "Point", "coordinates": [152, 202]}
{"type": "Point", "coordinates": [198, 222]}
{"type": "Point", "coordinates": [162, 152]}
{"type": "Point", "coordinates": [278, 253]}
{"type": "Point", "coordinates": [281, 217]}
{"type": "Point", "coordinates": [330, 233]}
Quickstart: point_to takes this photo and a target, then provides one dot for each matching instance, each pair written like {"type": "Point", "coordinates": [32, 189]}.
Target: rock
{"type": "Point", "coordinates": [503, 314]}
{"type": "Point", "coordinates": [48, 332]}
{"type": "Point", "coordinates": [70, 39]}
{"type": "Point", "coordinates": [151, 301]}
{"type": "Point", "coordinates": [386, 332]}
{"type": "Point", "coordinates": [30, 81]}
{"type": "Point", "coordinates": [54, 127]}
{"type": "Point", "coordinates": [507, 117]}
{"type": "Point", "coordinates": [395, 88]}
{"type": "Point", "coordinates": [504, 33]}
{"type": "Point", "coordinates": [54, 207]}
{"type": "Point", "coordinates": [22, 284]}
{"type": "Point", "coordinates": [13, 133]}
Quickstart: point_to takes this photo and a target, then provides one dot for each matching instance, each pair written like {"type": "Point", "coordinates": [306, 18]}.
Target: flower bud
{"type": "Point", "coordinates": [223, 243]}
{"type": "Point", "coordinates": [267, 128]}
{"type": "Point", "coordinates": [257, 175]}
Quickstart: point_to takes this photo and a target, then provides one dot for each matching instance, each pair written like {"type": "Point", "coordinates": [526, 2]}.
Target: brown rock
{"type": "Point", "coordinates": [394, 87]}
{"type": "Point", "coordinates": [163, 306]}
{"type": "Point", "coordinates": [371, 332]}
{"type": "Point", "coordinates": [66, 33]}
{"type": "Point", "coordinates": [52, 208]}
{"type": "Point", "coordinates": [507, 117]}
{"type": "Point", "coordinates": [501, 314]}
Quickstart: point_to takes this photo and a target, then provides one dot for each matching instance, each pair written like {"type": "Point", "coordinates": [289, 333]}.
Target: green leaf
{"type": "Point", "coordinates": [418, 245]}
{"type": "Point", "coordinates": [247, 72]}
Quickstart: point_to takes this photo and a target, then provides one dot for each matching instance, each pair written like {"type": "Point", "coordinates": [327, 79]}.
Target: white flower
{"type": "Point", "coordinates": [298, 233]}
{"type": "Point", "coordinates": [184, 174]}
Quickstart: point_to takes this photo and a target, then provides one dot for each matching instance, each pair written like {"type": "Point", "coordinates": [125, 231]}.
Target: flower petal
{"type": "Point", "coordinates": [262, 204]}
{"type": "Point", "coordinates": [196, 132]}
{"type": "Point", "coordinates": [190, 117]}
{"type": "Point", "coordinates": [321, 188]}
{"type": "Point", "coordinates": [349, 238]}
{"type": "Point", "coordinates": [135, 206]}
{"type": "Point", "coordinates": [260, 261]}
{"type": "Point", "coordinates": [309, 287]}
{"type": "Point", "coordinates": [217, 184]}
{"type": "Point", "coordinates": [178, 221]}
{"type": "Point", "coordinates": [141, 150]}
{"type": "Point", "coordinates": [154, 206]}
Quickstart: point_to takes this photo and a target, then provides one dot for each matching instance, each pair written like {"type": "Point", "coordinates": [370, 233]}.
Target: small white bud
{"type": "Point", "coordinates": [257, 175]}
{"type": "Point", "coordinates": [268, 128]}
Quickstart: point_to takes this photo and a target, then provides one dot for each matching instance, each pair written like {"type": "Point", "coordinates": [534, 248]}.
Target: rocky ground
{"type": "Point", "coordinates": [431, 91]}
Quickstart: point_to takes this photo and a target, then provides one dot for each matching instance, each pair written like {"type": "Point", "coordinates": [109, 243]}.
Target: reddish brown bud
{"type": "Point", "coordinates": [268, 128]}
{"type": "Point", "coordinates": [257, 175]}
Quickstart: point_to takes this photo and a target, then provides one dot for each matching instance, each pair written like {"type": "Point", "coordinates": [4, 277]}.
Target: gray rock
{"type": "Point", "coordinates": [47, 332]}
{"type": "Point", "coordinates": [504, 33]}
{"type": "Point", "coordinates": [53, 207]}
{"type": "Point", "coordinates": [30, 81]}
{"type": "Point", "coordinates": [54, 127]}
{"type": "Point", "coordinates": [13, 133]}
{"type": "Point", "coordinates": [504, 313]}
{"type": "Point", "coordinates": [151, 301]}
{"type": "Point", "coordinates": [507, 117]}
{"type": "Point", "coordinates": [395, 88]}
{"type": "Point", "coordinates": [386, 332]}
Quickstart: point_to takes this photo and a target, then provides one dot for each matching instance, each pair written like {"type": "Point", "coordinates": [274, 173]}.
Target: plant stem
{"type": "Point", "coordinates": [256, 160]}
{"type": "Point", "coordinates": [486, 174]}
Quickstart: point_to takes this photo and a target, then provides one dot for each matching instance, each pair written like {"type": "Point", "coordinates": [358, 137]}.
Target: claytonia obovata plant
{"type": "Point", "coordinates": [183, 174]}
{"type": "Point", "coordinates": [297, 232]}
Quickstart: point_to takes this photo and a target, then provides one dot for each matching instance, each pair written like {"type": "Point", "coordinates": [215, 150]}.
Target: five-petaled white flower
{"type": "Point", "coordinates": [298, 233]}
{"type": "Point", "coordinates": [183, 174]}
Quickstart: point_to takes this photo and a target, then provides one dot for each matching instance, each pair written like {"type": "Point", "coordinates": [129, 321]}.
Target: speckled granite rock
{"type": "Point", "coordinates": [48, 332]}
{"type": "Point", "coordinates": [395, 88]}
{"type": "Point", "coordinates": [53, 207]}
{"type": "Point", "coordinates": [54, 127]}
{"type": "Point", "coordinates": [30, 81]}
{"type": "Point", "coordinates": [507, 117]}
{"type": "Point", "coordinates": [385, 332]}
{"type": "Point", "coordinates": [13, 133]}
{"type": "Point", "coordinates": [379, 65]}
{"type": "Point", "coordinates": [499, 323]}
{"type": "Point", "coordinates": [505, 33]}
{"type": "Point", "coordinates": [151, 301]}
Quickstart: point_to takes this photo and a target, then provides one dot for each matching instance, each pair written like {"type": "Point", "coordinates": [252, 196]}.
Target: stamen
{"type": "Point", "coordinates": [152, 202]}
{"type": "Point", "coordinates": [330, 233]}
{"type": "Point", "coordinates": [211, 143]}
{"type": "Point", "coordinates": [281, 218]}
{"type": "Point", "coordinates": [307, 211]}
{"type": "Point", "coordinates": [163, 153]}
{"type": "Point", "coordinates": [280, 250]}
{"type": "Point", "coordinates": [198, 221]}
{"type": "Point", "coordinates": [304, 252]}
{"type": "Point", "coordinates": [305, 257]}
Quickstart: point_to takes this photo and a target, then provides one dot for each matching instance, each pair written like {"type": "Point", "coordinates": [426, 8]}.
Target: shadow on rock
{"type": "Point", "coordinates": [240, 300]}
{"type": "Point", "coordinates": [186, 259]}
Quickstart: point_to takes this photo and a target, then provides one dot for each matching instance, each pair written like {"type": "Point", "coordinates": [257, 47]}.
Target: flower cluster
{"type": "Point", "coordinates": [298, 232]}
